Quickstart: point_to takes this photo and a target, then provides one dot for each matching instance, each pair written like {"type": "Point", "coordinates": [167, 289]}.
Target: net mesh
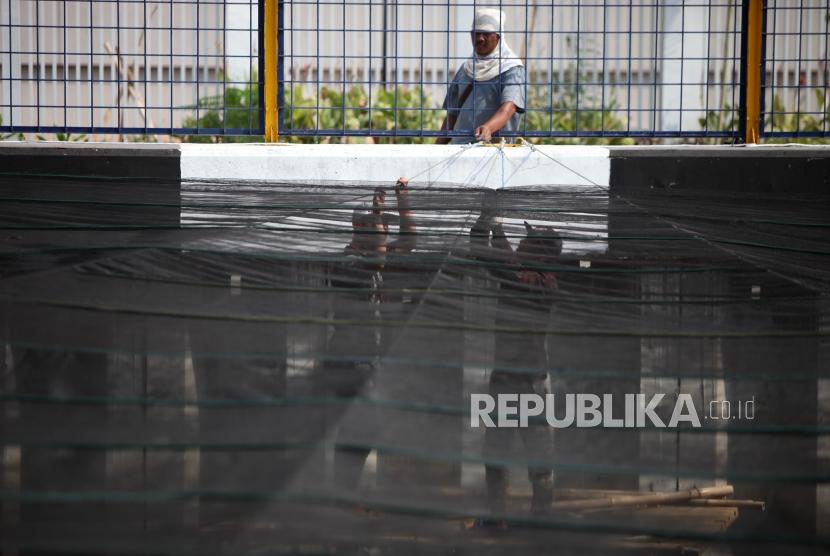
{"type": "Point", "coordinates": [278, 367]}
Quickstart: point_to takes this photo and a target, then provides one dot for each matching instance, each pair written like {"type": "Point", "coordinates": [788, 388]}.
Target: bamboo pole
{"type": "Point", "coordinates": [645, 500]}
{"type": "Point", "coordinates": [719, 503]}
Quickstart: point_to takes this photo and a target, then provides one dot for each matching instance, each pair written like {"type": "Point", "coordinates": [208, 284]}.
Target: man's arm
{"type": "Point", "coordinates": [407, 238]}
{"type": "Point", "coordinates": [497, 121]}
{"type": "Point", "coordinates": [487, 238]}
{"type": "Point", "coordinates": [447, 125]}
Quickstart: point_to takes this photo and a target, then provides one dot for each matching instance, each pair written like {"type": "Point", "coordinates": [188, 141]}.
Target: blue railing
{"type": "Point", "coordinates": [130, 67]}
{"type": "Point", "coordinates": [378, 70]}
{"type": "Point", "coordinates": [594, 69]}
{"type": "Point", "coordinates": [796, 87]}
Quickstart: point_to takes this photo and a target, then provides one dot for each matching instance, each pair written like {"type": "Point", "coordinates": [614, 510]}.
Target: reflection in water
{"type": "Point", "coordinates": [261, 366]}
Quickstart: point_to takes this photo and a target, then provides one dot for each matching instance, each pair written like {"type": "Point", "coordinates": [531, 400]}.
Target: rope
{"type": "Point", "coordinates": [447, 160]}
{"type": "Point", "coordinates": [411, 508]}
{"type": "Point", "coordinates": [379, 403]}
{"type": "Point", "coordinates": [425, 324]}
{"type": "Point", "coordinates": [535, 149]}
{"type": "Point", "coordinates": [716, 243]}
{"type": "Point", "coordinates": [501, 150]}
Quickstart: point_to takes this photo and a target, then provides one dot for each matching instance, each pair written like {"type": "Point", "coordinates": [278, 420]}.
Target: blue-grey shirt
{"type": "Point", "coordinates": [484, 99]}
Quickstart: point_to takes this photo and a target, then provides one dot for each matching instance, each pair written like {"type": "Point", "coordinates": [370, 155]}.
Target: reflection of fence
{"type": "Point", "coordinates": [373, 68]}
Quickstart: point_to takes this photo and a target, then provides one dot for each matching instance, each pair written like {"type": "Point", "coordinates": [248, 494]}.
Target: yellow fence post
{"type": "Point", "coordinates": [271, 30]}
{"type": "Point", "coordinates": [753, 71]}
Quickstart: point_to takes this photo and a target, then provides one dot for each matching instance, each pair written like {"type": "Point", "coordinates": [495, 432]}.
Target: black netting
{"type": "Point", "coordinates": [278, 368]}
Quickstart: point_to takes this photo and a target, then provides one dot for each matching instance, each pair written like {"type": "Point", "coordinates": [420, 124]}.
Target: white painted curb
{"type": "Point", "coordinates": [460, 165]}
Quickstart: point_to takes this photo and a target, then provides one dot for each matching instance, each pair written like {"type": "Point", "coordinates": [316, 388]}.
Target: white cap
{"type": "Point", "coordinates": [489, 20]}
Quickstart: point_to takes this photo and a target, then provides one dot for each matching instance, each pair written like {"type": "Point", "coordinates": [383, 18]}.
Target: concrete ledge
{"type": "Point", "coordinates": [780, 169]}
{"type": "Point", "coordinates": [474, 166]}
{"type": "Point", "coordinates": [96, 160]}
{"type": "Point", "coordinates": [758, 169]}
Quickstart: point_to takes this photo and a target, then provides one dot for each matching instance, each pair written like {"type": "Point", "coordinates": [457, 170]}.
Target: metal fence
{"type": "Point", "coordinates": [612, 69]}
{"type": "Point", "coordinates": [795, 89]}
{"type": "Point", "coordinates": [130, 66]}
{"type": "Point", "coordinates": [379, 69]}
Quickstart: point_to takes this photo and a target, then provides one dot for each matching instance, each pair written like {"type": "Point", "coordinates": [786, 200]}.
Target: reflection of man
{"type": "Point", "coordinates": [487, 93]}
{"type": "Point", "coordinates": [528, 291]}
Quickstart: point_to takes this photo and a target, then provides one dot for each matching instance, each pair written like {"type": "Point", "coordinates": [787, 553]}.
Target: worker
{"type": "Point", "coordinates": [353, 352]}
{"type": "Point", "coordinates": [487, 94]}
{"type": "Point", "coordinates": [522, 361]}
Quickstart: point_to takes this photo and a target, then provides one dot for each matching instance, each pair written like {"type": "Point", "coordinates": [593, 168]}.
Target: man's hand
{"type": "Point", "coordinates": [402, 194]}
{"type": "Point", "coordinates": [497, 121]}
{"type": "Point", "coordinates": [484, 132]}
{"type": "Point", "coordinates": [544, 280]}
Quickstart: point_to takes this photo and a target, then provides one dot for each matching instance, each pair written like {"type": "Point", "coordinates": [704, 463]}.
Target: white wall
{"type": "Point", "coordinates": [476, 166]}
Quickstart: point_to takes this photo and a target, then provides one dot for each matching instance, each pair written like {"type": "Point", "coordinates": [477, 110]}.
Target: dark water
{"type": "Point", "coordinates": [231, 368]}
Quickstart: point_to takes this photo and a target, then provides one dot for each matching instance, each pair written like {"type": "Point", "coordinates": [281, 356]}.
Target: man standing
{"type": "Point", "coordinates": [528, 292]}
{"type": "Point", "coordinates": [487, 93]}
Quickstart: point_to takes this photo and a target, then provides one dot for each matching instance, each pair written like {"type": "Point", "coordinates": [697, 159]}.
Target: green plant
{"type": "Point", "coordinates": [236, 108]}
{"type": "Point", "coordinates": [15, 136]}
{"type": "Point", "coordinates": [778, 119]}
{"type": "Point", "coordinates": [782, 119]}
{"type": "Point", "coordinates": [142, 138]}
{"type": "Point", "coordinates": [720, 120]}
{"type": "Point", "coordinates": [60, 136]}
{"type": "Point", "coordinates": [398, 108]}
{"type": "Point", "coordinates": [570, 107]}
{"type": "Point", "coordinates": [572, 110]}
{"type": "Point", "coordinates": [312, 107]}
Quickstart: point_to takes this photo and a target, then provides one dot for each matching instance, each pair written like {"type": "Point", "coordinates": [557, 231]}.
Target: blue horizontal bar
{"type": "Point", "coordinates": [558, 84]}
{"type": "Point", "coordinates": [123, 27]}
{"type": "Point", "coordinates": [794, 134]}
{"type": "Point", "coordinates": [293, 54]}
{"type": "Point", "coordinates": [474, 3]}
{"type": "Point", "coordinates": [251, 3]}
{"type": "Point", "coordinates": [517, 31]}
{"type": "Point", "coordinates": [436, 3]}
{"type": "Point", "coordinates": [379, 133]}
{"type": "Point", "coordinates": [309, 55]}
{"type": "Point", "coordinates": [218, 131]}
{"type": "Point", "coordinates": [148, 81]}
{"type": "Point", "coordinates": [104, 54]}
{"type": "Point", "coordinates": [540, 134]}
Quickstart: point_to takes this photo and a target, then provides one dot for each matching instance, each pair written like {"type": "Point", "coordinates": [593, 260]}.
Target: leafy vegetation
{"type": "Point", "coordinates": [398, 108]}
{"type": "Point", "coordinates": [782, 119]}
{"type": "Point", "coordinates": [724, 119]}
{"type": "Point", "coordinates": [778, 119]}
{"type": "Point", "coordinates": [237, 108]}
{"type": "Point", "coordinates": [14, 136]}
{"type": "Point", "coordinates": [60, 136]}
{"type": "Point", "coordinates": [569, 113]}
